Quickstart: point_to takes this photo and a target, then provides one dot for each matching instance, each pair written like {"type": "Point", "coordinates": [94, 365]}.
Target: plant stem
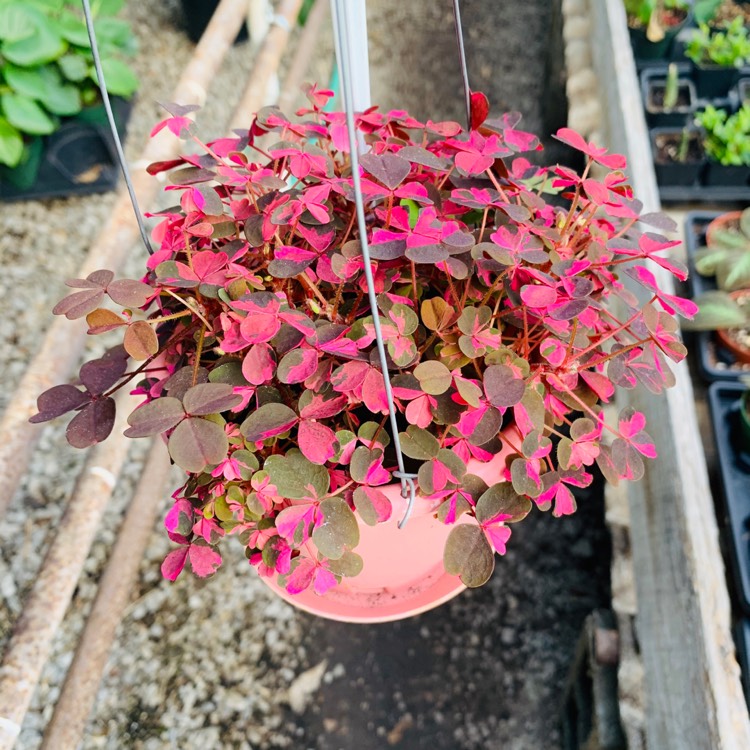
{"type": "Point", "coordinates": [198, 352]}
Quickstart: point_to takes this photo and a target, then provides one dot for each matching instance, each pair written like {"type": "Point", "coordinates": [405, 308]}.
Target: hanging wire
{"type": "Point", "coordinates": [462, 60]}
{"type": "Point", "coordinates": [340, 24]}
{"type": "Point", "coordinates": [113, 126]}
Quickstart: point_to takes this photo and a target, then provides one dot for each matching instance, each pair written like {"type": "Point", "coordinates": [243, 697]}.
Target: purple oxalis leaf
{"type": "Point", "coordinates": [210, 398]}
{"type": "Point", "coordinates": [502, 387]}
{"type": "Point", "coordinates": [389, 169]}
{"type": "Point", "coordinates": [92, 424]}
{"type": "Point", "coordinates": [58, 400]}
{"type": "Point", "coordinates": [155, 417]}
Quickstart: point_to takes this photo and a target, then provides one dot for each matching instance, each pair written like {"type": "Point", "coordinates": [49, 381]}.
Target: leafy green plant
{"type": "Point", "coordinates": [727, 137]}
{"type": "Point", "coordinates": [727, 255]}
{"type": "Point", "coordinates": [705, 10]}
{"type": "Point", "coordinates": [727, 48]}
{"type": "Point", "coordinates": [47, 69]}
{"type": "Point", "coordinates": [718, 310]}
{"type": "Point", "coordinates": [641, 11]}
{"type": "Point", "coordinates": [671, 88]}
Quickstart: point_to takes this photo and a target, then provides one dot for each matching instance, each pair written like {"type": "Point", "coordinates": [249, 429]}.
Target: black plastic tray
{"type": "Point", "coordinates": [78, 159]}
{"type": "Point", "coordinates": [742, 641]}
{"type": "Point", "coordinates": [734, 466]}
{"type": "Point", "coordinates": [703, 193]}
{"type": "Point", "coordinates": [715, 362]}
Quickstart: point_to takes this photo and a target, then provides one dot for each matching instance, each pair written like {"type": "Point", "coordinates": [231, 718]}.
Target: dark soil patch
{"type": "Point", "coordinates": [669, 147]}
{"type": "Point", "coordinates": [656, 98]}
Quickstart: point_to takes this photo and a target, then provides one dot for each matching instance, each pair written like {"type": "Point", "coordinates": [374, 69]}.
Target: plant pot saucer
{"type": "Point", "coordinates": [403, 572]}
{"type": "Point", "coordinates": [381, 605]}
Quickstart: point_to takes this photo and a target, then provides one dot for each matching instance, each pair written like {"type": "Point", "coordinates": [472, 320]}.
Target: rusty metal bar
{"type": "Point", "coordinates": [64, 341]}
{"type": "Point", "coordinates": [266, 63]}
{"type": "Point", "coordinates": [53, 588]}
{"type": "Point", "coordinates": [65, 730]}
{"type": "Point", "coordinates": [303, 52]}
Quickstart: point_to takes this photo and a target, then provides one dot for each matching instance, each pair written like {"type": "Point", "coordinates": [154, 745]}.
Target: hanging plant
{"type": "Point", "coordinates": [257, 347]}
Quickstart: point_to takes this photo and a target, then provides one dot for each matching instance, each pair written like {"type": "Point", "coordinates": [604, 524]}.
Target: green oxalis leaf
{"type": "Point", "coordinates": [433, 376]}
{"type": "Point", "coordinates": [468, 554]}
{"type": "Point", "coordinates": [428, 470]}
{"type": "Point", "coordinates": [350, 564]}
{"type": "Point", "coordinates": [267, 421]}
{"type": "Point", "coordinates": [339, 531]}
{"type": "Point", "coordinates": [362, 459]}
{"type": "Point", "coordinates": [296, 478]}
{"type": "Point", "coordinates": [418, 443]}
{"type": "Point", "coordinates": [501, 499]}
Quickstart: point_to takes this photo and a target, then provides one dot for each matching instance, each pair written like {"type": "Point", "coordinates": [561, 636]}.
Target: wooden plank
{"type": "Point", "coordinates": [694, 697]}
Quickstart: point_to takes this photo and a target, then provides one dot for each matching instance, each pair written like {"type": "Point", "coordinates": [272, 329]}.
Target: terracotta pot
{"type": "Point", "coordinates": [725, 221]}
{"type": "Point", "coordinates": [741, 353]}
{"type": "Point", "coordinates": [403, 572]}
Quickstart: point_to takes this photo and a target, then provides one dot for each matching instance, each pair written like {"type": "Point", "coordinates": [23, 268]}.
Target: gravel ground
{"type": "Point", "coordinates": [222, 663]}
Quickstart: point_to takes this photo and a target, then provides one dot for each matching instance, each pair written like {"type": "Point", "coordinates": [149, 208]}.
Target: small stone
{"type": "Point", "coordinates": [304, 686]}
{"type": "Point", "coordinates": [507, 636]}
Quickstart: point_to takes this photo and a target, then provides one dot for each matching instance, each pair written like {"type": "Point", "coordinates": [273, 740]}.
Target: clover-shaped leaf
{"type": "Point", "coordinates": [339, 531]}
{"type": "Point", "coordinates": [197, 443]}
{"type": "Point", "coordinates": [418, 443]}
{"type": "Point", "coordinates": [388, 168]}
{"type": "Point", "coordinates": [446, 469]}
{"type": "Point", "coordinates": [92, 424]}
{"type": "Point", "coordinates": [57, 401]}
{"type": "Point", "coordinates": [501, 502]}
{"type": "Point", "coordinates": [295, 477]}
{"type": "Point", "coordinates": [436, 313]}
{"type": "Point", "coordinates": [433, 376]}
{"type": "Point", "coordinates": [372, 505]}
{"type": "Point", "coordinates": [268, 421]}
{"type": "Point", "coordinates": [155, 417]}
{"type": "Point", "coordinates": [349, 565]}
{"type": "Point", "coordinates": [502, 386]}
{"type": "Point", "coordinates": [210, 398]}
{"type": "Point", "coordinates": [140, 340]}
{"type": "Point", "coordinates": [468, 554]}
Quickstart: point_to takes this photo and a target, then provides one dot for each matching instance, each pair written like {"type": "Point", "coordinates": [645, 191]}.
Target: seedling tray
{"type": "Point", "coordinates": [742, 641]}
{"type": "Point", "coordinates": [706, 193]}
{"type": "Point", "coordinates": [734, 466]}
{"type": "Point", "coordinates": [715, 362]}
{"type": "Point", "coordinates": [78, 159]}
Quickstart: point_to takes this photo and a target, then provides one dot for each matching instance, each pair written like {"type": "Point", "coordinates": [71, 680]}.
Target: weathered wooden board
{"type": "Point", "coordinates": [694, 695]}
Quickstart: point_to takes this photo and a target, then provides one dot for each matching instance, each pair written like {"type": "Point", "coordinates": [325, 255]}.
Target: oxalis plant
{"type": "Point", "coordinates": [257, 352]}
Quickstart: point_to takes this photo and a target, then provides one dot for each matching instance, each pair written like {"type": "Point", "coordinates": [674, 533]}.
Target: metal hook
{"type": "Point", "coordinates": [462, 60]}
{"type": "Point", "coordinates": [342, 45]}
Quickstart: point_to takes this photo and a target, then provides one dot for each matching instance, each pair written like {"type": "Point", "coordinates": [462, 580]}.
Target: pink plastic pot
{"type": "Point", "coordinates": [403, 572]}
